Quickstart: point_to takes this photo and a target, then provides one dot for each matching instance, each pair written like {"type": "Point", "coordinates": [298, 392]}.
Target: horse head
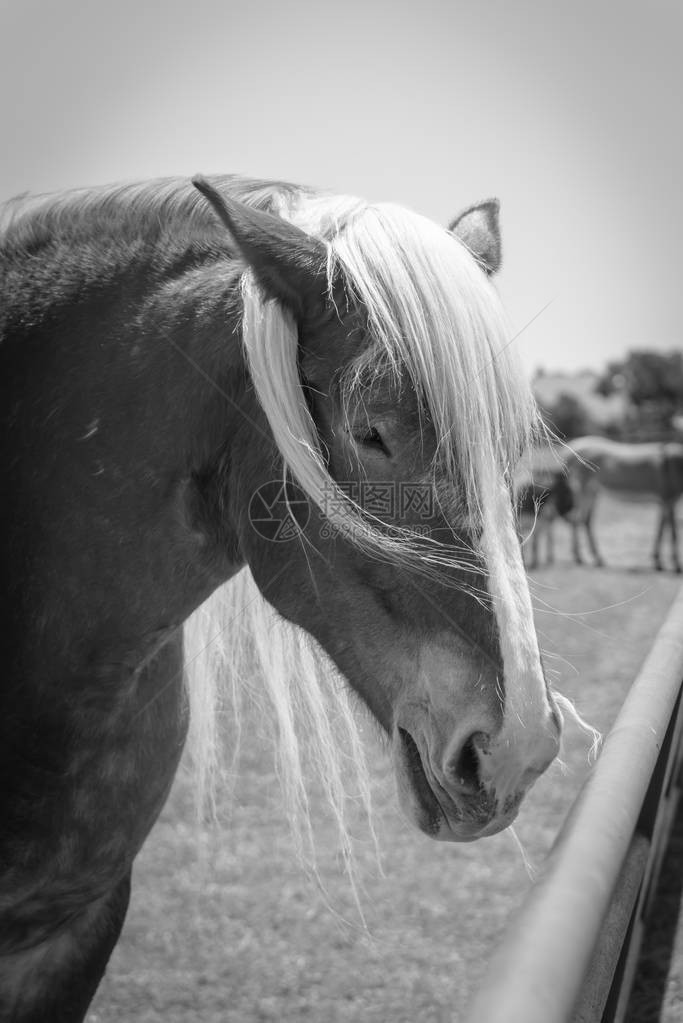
{"type": "Point", "coordinates": [388, 420]}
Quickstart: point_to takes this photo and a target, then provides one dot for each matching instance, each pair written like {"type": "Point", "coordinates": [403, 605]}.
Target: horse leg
{"type": "Point", "coordinates": [550, 541]}
{"type": "Point", "coordinates": [597, 557]}
{"type": "Point", "coordinates": [56, 980]}
{"type": "Point", "coordinates": [673, 528]}
{"type": "Point", "coordinates": [585, 491]}
{"type": "Point", "coordinates": [576, 549]}
{"type": "Point", "coordinates": [664, 521]}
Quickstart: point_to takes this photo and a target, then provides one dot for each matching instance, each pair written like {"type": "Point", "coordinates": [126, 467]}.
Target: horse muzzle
{"type": "Point", "coordinates": [471, 791]}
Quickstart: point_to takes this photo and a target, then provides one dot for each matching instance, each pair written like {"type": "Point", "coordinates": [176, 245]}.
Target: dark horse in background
{"type": "Point", "coordinates": [540, 501]}
{"type": "Point", "coordinates": [165, 354]}
{"type": "Point", "coordinates": [634, 472]}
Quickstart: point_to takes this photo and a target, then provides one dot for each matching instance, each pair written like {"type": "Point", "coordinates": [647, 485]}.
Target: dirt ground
{"type": "Point", "coordinates": [224, 926]}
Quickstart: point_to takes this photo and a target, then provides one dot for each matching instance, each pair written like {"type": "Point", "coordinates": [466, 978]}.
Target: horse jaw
{"type": "Point", "coordinates": [477, 734]}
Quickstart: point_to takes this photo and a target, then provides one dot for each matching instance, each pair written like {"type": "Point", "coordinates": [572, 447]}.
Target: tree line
{"type": "Point", "coordinates": [651, 386]}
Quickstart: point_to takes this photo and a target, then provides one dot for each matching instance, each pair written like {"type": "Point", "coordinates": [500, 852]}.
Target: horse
{"type": "Point", "coordinates": [224, 380]}
{"type": "Point", "coordinates": [540, 501]}
{"type": "Point", "coordinates": [633, 471]}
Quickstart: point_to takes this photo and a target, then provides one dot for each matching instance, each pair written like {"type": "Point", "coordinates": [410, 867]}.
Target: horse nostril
{"type": "Point", "coordinates": [464, 767]}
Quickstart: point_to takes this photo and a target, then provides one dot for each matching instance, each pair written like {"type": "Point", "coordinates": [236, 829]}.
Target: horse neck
{"type": "Point", "coordinates": [205, 411]}
{"type": "Point", "coordinates": [134, 379]}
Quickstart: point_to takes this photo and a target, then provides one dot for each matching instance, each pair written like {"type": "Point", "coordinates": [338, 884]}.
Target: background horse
{"type": "Point", "coordinates": [308, 386]}
{"type": "Point", "coordinates": [632, 471]}
{"type": "Point", "coordinates": [540, 502]}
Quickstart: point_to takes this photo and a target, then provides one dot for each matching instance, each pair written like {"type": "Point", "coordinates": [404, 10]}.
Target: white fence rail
{"type": "Point", "coordinates": [569, 956]}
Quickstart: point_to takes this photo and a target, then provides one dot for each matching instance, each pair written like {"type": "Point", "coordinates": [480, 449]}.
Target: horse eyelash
{"type": "Point", "coordinates": [372, 438]}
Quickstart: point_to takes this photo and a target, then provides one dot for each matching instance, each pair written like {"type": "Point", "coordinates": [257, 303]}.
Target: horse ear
{"type": "Point", "coordinates": [289, 264]}
{"type": "Point", "coordinates": [479, 229]}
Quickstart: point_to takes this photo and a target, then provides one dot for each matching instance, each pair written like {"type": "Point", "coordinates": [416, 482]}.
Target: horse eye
{"type": "Point", "coordinates": [373, 439]}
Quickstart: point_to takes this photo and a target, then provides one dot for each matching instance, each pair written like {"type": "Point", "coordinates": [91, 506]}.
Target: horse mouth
{"type": "Point", "coordinates": [436, 811]}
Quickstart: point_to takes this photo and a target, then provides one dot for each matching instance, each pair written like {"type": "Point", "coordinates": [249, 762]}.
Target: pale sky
{"type": "Point", "coordinates": [570, 113]}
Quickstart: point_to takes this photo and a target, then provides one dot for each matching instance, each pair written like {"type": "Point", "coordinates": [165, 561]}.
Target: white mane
{"type": "Point", "coordinates": [432, 312]}
{"type": "Point", "coordinates": [237, 649]}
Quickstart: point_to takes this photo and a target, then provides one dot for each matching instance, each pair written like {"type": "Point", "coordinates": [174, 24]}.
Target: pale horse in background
{"type": "Point", "coordinates": [632, 471]}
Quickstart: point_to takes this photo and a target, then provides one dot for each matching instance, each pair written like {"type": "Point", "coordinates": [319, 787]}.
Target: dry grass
{"type": "Point", "coordinates": [224, 927]}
